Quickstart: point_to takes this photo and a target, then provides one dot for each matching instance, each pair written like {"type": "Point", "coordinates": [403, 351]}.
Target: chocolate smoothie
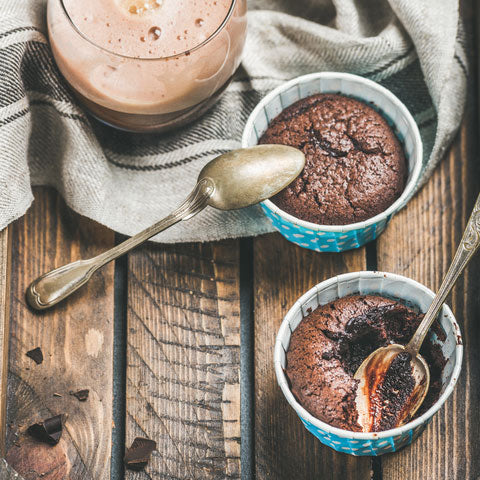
{"type": "Point", "coordinates": [140, 64]}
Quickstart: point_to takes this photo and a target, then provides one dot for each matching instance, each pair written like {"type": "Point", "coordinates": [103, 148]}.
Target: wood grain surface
{"type": "Point", "coordinates": [284, 449]}
{"type": "Point", "coordinates": [183, 308]}
{"type": "Point", "coordinates": [76, 338]}
{"type": "Point", "coordinates": [420, 243]}
{"type": "Point", "coordinates": [183, 359]}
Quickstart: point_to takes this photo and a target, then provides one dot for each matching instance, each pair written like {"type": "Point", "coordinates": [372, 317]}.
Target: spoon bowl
{"type": "Point", "coordinates": [374, 377]}
{"type": "Point", "coordinates": [248, 176]}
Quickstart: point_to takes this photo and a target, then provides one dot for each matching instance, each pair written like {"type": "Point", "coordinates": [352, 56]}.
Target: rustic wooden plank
{"type": "Point", "coordinates": [283, 447]}
{"type": "Point", "coordinates": [76, 338]}
{"type": "Point", "coordinates": [420, 244]}
{"type": "Point", "coordinates": [183, 359]}
{"type": "Point", "coordinates": [5, 256]}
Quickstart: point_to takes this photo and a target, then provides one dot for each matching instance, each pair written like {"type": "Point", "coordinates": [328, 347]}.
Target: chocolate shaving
{"type": "Point", "coordinates": [49, 431]}
{"type": "Point", "coordinates": [138, 455]}
{"type": "Point", "coordinates": [81, 395]}
{"type": "Point", "coordinates": [36, 355]}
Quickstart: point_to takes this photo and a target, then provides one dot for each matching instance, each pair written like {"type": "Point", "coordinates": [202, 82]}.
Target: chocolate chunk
{"type": "Point", "coordinates": [81, 395]}
{"type": "Point", "coordinates": [36, 355]}
{"type": "Point", "coordinates": [49, 431]}
{"type": "Point", "coordinates": [138, 455]}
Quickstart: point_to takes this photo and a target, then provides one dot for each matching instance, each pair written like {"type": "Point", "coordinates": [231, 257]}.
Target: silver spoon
{"type": "Point", "coordinates": [372, 371]}
{"type": "Point", "coordinates": [234, 180]}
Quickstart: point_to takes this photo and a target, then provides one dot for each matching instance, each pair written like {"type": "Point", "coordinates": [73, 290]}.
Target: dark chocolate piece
{"type": "Point", "coordinates": [49, 431]}
{"type": "Point", "coordinates": [81, 395]}
{"type": "Point", "coordinates": [138, 455]}
{"type": "Point", "coordinates": [36, 355]}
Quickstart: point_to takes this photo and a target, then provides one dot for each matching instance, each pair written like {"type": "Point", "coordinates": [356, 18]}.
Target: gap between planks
{"type": "Point", "coordinates": [5, 266]}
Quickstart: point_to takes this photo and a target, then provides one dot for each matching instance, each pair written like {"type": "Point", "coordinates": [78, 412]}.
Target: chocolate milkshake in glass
{"type": "Point", "coordinates": [147, 65]}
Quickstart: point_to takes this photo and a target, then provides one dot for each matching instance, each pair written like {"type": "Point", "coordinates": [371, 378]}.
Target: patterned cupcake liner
{"type": "Point", "coordinates": [338, 238]}
{"type": "Point", "coordinates": [396, 286]}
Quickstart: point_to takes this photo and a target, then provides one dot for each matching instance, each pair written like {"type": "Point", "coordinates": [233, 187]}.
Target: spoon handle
{"type": "Point", "coordinates": [54, 286]}
{"type": "Point", "coordinates": [467, 248]}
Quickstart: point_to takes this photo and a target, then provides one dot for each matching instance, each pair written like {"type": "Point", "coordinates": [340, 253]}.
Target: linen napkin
{"type": "Point", "coordinates": [6, 473]}
{"type": "Point", "coordinates": [416, 48]}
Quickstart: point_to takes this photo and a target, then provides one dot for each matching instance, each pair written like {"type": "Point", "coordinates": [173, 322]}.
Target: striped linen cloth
{"type": "Point", "coordinates": [6, 473]}
{"type": "Point", "coordinates": [416, 48]}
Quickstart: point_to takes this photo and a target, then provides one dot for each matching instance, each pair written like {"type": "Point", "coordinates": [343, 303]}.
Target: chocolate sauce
{"type": "Point", "coordinates": [390, 395]}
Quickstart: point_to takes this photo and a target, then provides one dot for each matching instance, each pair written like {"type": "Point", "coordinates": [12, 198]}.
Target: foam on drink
{"type": "Point", "coordinates": [135, 26]}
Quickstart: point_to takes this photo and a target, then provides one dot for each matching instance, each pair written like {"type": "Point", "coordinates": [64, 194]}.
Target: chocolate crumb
{"type": "Point", "coordinates": [36, 355]}
{"type": "Point", "coordinates": [49, 431]}
{"type": "Point", "coordinates": [138, 455]}
{"type": "Point", "coordinates": [81, 395]}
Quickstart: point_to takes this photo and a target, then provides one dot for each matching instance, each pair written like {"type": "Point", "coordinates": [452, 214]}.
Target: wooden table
{"type": "Point", "coordinates": [175, 343]}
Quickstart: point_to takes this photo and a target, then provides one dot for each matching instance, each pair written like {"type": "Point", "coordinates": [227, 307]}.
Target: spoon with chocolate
{"type": "Point", "coordinates": [394, 380]}
{"type": "Point", "coordinates": [231, 181]}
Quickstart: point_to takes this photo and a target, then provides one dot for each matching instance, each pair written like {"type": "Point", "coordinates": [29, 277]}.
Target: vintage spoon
{"type": "Point", "coordinates": [234, 180]}
{"type": "Point", "coordinates": [371, 373]}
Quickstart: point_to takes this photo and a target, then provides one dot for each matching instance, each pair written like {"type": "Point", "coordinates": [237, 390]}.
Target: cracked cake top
{"type": "Point", "coordinates": [355, 166]}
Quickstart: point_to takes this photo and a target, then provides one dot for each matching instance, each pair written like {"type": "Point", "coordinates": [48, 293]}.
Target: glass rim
{"type": "Point", "coordinates": [169, 57]}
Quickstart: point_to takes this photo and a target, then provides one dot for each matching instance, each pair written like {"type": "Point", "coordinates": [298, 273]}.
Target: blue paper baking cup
{"type": "Point", "coordinates": [338, 238]}
{"type": "Point", "coordinates": [390, 285]}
